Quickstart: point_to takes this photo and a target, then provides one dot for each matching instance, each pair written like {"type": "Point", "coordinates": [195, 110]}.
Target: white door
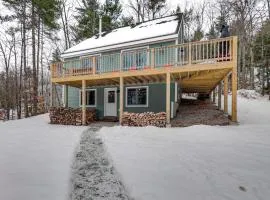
{"type": "Point", "coordinates": [110, 102]}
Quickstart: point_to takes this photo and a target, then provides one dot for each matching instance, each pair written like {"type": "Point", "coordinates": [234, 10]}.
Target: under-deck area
{"type": "Point", "coordinates": [198, 67]}
{"type": "Point", "coordinates": [196, 112]}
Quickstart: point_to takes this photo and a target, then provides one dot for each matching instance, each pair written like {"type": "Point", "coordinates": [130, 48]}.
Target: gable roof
{"type": "Point", "coordinates": [147, 30]}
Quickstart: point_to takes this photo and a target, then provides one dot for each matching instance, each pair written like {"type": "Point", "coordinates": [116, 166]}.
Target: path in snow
{"type": "Point", "coordinates": [198, 162]}
{"type": "Point", "coordinates": [93, 176]}
{"type": "Point", "coordinates": [35, 159]}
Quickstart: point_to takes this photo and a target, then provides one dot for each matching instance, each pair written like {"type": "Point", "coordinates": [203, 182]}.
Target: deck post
{"type": "Point", "coordinates": [94, 64]}
{"type": "Point", "coordinates": [214, 95]}
{"type": "Point", "coordinates": [234, 81]}
{"type": "Point", "coordinates": [66, 95]}
{"type": "Point", "coordinates": [52, 94]}
{"type": "Point", "coordinates": [189, 53]}
{"type": "Point", "coordinates": [153, 58]}
{"type": "Point", "coordinates": [225, 94]}
{"type": "Point", "coordinates": [83, 102]}
{"type": "Point", "coordinates": [219, 95]}
{"type": "Point", "coordinates": [121, 109]}
{"type": "Point", "coordinates": [168, 97]}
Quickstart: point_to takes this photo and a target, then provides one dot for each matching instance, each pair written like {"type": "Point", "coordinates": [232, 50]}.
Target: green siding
{"type": "Point", "coordinates": [164, 56]}
{"type": "Point", "coordinates": [110, 61]}
{"type": "Point", "coordinates": [73, 97]}
{"type": "Point", "coordinates": [156, 101]}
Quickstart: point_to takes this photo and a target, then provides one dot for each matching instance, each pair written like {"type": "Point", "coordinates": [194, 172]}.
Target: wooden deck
{"type": "Point", "coordinates": [198, 66]}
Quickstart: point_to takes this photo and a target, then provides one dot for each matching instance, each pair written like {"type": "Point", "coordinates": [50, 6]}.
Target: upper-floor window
{"type": "Point", "coordinates": [135, 58]}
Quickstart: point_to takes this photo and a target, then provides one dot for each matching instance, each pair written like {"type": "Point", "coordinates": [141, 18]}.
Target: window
{"type": "Point", "coordinates": [111, 96]}
{"type": "Point", "coordinates": [137, 96]}
{"type": "Point", "coordinates": [90, 97]}
{"type": "Point", "coordinates": [134, 59]}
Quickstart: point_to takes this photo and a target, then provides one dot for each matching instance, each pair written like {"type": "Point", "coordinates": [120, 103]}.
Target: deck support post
{"type": "Point", "coordinates": [66, 95]}
{"type": "Point", "coordinates": [214, 95]}
{"type": "Point", "coordinates": [225, 94]}
{"type": "Point", "coordinates": [153, 58]}
{"type": "Point", "coordinates": [168, 98]}
{"type": "Point", "coordinates": [52, 94]}
{"type": "Point", "coordinates": [83, 102]}
{"type": "Point", "coordinates": [94, 64]}
{"type": "Point", "coordinates": [121, 109]}
{"type": "Point", "coordinates": [234, 81]}
{"type": "Point", "coordinates": [189, 53]}
{"type": "Point", "coordinates": [219, 95]}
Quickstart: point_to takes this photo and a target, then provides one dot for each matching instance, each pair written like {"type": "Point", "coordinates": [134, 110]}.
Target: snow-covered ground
{"type": "Point", "coordinates": [198, 162]}
{"type": "Point", "coordinates": [35, 159]}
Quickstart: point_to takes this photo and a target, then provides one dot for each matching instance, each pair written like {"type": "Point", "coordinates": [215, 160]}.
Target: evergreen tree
{"type": "Point", "coordinates": [56, 55]}
{"type": "Point", "coordinates": [212, 34]}
{"type": "Point", "coordinates": [155, 6]}
{"type": "Point", "coordinates": [127, 21]}
{"type": "Point", "coordinates": [111, 12]}
{"type": "Point", "coordinates": [87, 20]}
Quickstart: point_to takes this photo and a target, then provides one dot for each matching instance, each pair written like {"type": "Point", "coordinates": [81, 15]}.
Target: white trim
{"type": "Point", "coordinates": [117, 46]}
{"type": "Point", "coordinates": [135, 87]}
{"type": "Point", "coordinates": [115, 89]}
{"type": "Point", "coordinates": [89, 89]}
{"type": "Point", "coordinates": [90, 55]}
{"type": "Point", "coordinates": [135, 48]}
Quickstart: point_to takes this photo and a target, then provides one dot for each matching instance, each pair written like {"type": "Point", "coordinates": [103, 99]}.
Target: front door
{"type": "Point", "coordinates": [110, 102]}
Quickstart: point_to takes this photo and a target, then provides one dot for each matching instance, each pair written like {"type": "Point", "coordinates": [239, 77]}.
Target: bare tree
{"type": "Point", "coordinates": [138, 7]}
{"type": "Point", "coordinates": [6, 51]}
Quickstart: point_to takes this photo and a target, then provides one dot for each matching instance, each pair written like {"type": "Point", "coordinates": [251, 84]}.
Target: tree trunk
{"type": "Point", "coordinates": [17, 101]}
{"type": "Point", "coordinates": [41, 61]}
{"type": "Point", "coordinates": [26, 113]}
{"type": "Point", "coordinates": [35, 84]}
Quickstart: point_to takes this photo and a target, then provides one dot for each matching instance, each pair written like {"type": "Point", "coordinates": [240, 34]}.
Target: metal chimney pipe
{"type": "Point", "coordinates": [100, 25]}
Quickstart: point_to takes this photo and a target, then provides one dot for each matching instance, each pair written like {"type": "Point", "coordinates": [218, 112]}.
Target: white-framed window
{"type": "Point", "coordinates": [91, 97]}
{"type": "Point", "coordinates": [137, 96]}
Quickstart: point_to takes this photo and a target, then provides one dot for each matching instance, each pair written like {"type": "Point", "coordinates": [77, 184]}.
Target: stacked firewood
{"type": "Point", "coordinates": [144, 119]}
{"type": "Point", "coordinates": [71, 116]}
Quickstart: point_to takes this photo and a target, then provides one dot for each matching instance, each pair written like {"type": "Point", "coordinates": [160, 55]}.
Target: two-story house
{"type": "Point", "coordinates": [144, 68]}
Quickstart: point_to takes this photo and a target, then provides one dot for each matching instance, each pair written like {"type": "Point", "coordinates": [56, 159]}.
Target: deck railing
{"type": "Point", "coordinates": [202, 52]}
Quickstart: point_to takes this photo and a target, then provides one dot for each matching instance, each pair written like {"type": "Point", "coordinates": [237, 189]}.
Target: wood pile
{"type": "Point", "coordinates": [144, 119]}
{"type": "Point", "coordinates": [2, 114]}
{"type": "Point", "coordinates": [71, 116]}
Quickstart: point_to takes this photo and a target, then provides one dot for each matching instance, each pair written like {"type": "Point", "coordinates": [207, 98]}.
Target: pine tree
{"type": "Point", "coordinates": [127, 21]}
{"type": "Point", "coordinates": [155, 6]}
{"type": "Point", "coordinates": [87, 20]}
{"type": "Point", "coordinates": [111, 12]}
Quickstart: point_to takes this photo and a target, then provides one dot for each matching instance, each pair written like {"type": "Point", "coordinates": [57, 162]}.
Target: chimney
{"type": "Point", "coordinates": [100, 25]}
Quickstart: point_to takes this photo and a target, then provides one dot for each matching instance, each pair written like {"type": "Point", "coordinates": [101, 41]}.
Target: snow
{"type": "Point", "coordinates": [35, 159]}
{"type": "Point", "coordinates": [249, 94]}
{"type": "Point", "coordinates": [198, 162]}
{"type": "Point", "coordinates": [93, 175]}
{"type": "Point", "coordinates": [150, 29]}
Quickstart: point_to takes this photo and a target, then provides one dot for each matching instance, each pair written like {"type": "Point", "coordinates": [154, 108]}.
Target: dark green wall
{"type": "Point", "coordinates": [156, 101]}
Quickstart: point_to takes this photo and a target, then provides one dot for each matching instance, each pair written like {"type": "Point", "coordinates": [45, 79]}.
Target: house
{"type": "Point", "coordinates": [144, 68]}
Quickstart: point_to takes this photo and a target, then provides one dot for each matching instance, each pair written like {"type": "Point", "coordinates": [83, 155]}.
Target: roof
{"type": "Point", "coordinates": [150, 29]}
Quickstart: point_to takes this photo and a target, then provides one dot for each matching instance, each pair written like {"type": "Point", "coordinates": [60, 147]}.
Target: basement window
{"type": "Point", "coordinates": [137, 96]}
{"type": "Point", "coordinates": [91, 97]}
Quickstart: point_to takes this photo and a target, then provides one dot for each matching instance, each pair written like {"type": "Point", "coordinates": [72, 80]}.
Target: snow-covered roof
{"type": "Point", "coordinates": [151, 29]}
